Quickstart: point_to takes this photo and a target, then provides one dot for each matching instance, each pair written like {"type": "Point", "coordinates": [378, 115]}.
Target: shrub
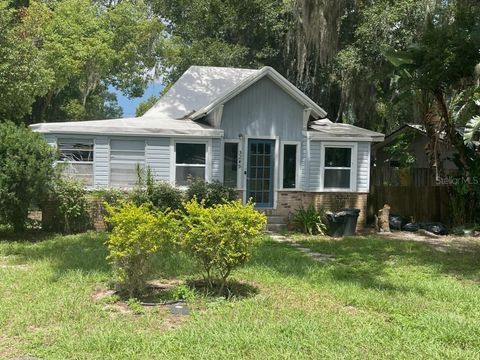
{"type": "Point", "coordinates": [309, 220]}
{"type": "Point", "coordinates": [71, 206]}
{"type": "Point", "coordinates": [26, 172]}
{"type": "Point", "coordinates": [220, 237]}
{"type": "Point", "coordinates": [209, 193]}
{"type": "Point", "coordinates": [162, 195]}
{"type": "Point", "coordinates": [138, 233]}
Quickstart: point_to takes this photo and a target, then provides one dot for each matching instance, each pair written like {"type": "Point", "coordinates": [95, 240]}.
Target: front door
{"type": "Point", "coordinates": [260, 169]}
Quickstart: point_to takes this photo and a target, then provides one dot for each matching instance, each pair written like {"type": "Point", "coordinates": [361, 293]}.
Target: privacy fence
{"type": "Point", "coordinates": [412, 193]}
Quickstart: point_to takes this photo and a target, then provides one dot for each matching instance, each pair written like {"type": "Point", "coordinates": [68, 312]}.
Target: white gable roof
{"type": "Point", "coordinates": [197, 88]}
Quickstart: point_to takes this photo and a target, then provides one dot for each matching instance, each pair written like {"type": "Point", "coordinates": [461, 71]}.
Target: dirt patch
{"type": "Point", "coordinates": [7, 262]}
{"type": "Point", "coordinates": [440, 243]}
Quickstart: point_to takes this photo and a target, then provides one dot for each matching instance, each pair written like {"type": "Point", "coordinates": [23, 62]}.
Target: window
{"type": "Point", "coordinates": [289, 174]}
{"type": "Point", "coordinates": [230, 164]}
{"type": "Point", "coordinates": [77, 157]}
{"type": "Point", "coordinates": [190, 161]}
{"type": "Point", "coordinates": [338, 167]}
{"type": "Point", "coordinates": [125, 157]}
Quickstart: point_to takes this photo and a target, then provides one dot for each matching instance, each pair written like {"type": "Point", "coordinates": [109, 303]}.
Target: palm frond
{"type": "Point", "coordinates": [471, 128]}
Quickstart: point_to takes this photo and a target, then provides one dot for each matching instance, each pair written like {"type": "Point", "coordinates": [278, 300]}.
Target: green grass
{"type": "Point", "coordinates": [380, 299]}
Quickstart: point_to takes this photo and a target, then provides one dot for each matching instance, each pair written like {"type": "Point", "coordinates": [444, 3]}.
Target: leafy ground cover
{"type": "Point", "coordinates": [379, 299]}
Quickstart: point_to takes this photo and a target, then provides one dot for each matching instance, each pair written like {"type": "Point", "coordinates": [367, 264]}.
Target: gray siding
{"type": "Point", "coordinates": [363, 167]}
{"type": "Point", "coordinates": [303, 176]}
{"type": "Point", "coordinates": [314, 173]}
{"type": "Point", "coordinates": [51, 140]}
{"type": "Point", "coordinates": [157, 156]}
{"type": "Point", "coordinates": [314, 182]}
{"type": "Point", "coordinates": [263, 109]}
{"type": "Point", "coordinates": [101, 161]}
{"type": "Point", "coordinates": [217, 161]}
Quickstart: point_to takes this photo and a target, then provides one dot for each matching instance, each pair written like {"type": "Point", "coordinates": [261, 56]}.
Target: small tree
{"type": "Point", "coordinates": [221, 237]}
{"type": "Point", "coordinates": [138, 233]}
{"type": "Point", "coordinates": [26, 172]}
{"type": "Point", "coordinates": [71, 205]}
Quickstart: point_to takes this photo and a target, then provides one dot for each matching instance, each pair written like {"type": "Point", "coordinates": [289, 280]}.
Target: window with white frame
{"type": "Point", "coordinates": [190, 162]}
{"type": "Point", "coordinates": [337, 167]}
{"type": "Point", "coordinates": [230, 164]}
{"type": "Point", "coordinates": [76, 155]}
{"type": "Point", "coordinates": [290, 163]}
{"type": "Point", "coordinates": [127, 156]}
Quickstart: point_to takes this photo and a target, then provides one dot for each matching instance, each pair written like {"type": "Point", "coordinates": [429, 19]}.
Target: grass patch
{"type": "Point", "coordinates": [379, 299]}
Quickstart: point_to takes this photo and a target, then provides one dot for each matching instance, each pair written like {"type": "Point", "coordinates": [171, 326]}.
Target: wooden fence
{"type": "Point", "coordinates": [385, 176]}
{"type": "Point", "coordinates": [422, 203]}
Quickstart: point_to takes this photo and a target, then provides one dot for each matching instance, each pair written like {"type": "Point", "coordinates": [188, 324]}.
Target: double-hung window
{"type": "Point", "coordinates": [190, 162]}
{"type": "Point", "coordinates": [231, 164]}
{"type": "Point", "coordinates": [338, 167]}
{"type": "Point", "coordinates": [77, 158]}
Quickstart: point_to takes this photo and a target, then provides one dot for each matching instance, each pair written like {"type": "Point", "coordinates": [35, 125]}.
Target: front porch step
{"type": "Point", "coordinates": [276, 227]}
{"type": "Point", "coordinates": [276, 223]}
{"type": "Point", "coordinates": [275, 219]}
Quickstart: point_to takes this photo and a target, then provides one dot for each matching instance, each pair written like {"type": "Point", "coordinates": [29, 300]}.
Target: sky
{"type": "Point", "coordinates": [129, 105]}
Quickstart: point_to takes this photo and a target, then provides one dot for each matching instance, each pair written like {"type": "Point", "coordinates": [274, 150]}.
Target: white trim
{"type": "Point", "coordinates": [306, 116]}
{"type": "Point", "coordinates": [275, 167]}
{"type": "Point", "coordinates": [239, 162]}
{"type": "Point", "coordinates": [325, 137]}
{"type": "Point", "coordinates": [286, 85]}
{"type": "Point", "coordinates": [217, 117]}
{"type": "Point", "coordinates": [173, 163]}
{"type": "Point", "coordinates": [214, 133]}
{"type": "Point", "coordinates": [353, 165]}
{"type": "Point", "coordinates": [297, 165]}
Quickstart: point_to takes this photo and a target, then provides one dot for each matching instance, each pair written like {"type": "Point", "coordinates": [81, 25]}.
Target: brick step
{"type": "Point", "coordinates": [276, 227]}
{"type": "Point", "coordinates": [275, 219]}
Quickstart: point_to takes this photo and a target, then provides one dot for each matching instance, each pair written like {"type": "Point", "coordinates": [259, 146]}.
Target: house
{"type": "Point", "coordinates": [251, 129]}
{"type": "Point", "coordinates": [402, 160]}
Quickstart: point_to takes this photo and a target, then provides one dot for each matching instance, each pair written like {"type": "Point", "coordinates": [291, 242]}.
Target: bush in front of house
{"type": "Point", "coordinates": [138, 233]}
{"type": "Point", "coordinates": [161, 194]}
{"type": "Point", "coordinates": [209, 193]}
{"type": "Point", "coordinates": [26, 172]}
{"type": "Point", "coordinates": [220, 237]}
{"type": "Point", "coordinates": [309, 220]}
{"type": "Point", "coordinates": [69, 198]}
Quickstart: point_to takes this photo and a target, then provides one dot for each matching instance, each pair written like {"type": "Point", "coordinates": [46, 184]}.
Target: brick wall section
{"type": "Point", "coordinates": [287, 201]}
{"type": "Point", "coordinates": [96, 214]}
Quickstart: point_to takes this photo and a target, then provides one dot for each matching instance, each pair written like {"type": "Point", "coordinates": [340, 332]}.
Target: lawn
{"type": "Point", "coordinates": [379, 299]}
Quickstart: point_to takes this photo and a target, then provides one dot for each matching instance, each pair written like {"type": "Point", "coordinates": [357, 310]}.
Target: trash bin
{"type": "Point", "coordinates": [336, 223]}
{"type": "Point", "coordinates": [351, 217]}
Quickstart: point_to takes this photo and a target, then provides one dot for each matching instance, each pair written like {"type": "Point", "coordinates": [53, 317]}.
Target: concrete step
{"type": "Point", "coordinates": [276, 227]}
{"type": "Point", "coordinates": [275, 219]}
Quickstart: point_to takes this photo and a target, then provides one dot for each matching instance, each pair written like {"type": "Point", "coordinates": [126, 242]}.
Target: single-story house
{"type": "Point", "coordinates": [250, 129]}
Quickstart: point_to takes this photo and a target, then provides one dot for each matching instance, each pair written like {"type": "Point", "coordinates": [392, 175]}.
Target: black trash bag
{"type": "Point", "coordinates": [434, 227]}
{"type": "Point", "coordinates": [397, 222]}
{"type": "Point", "coordinates": [411, 227]}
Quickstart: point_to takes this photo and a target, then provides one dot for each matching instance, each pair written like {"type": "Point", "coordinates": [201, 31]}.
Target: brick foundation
{"type": "Point", "coordinates": [288, 201]}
